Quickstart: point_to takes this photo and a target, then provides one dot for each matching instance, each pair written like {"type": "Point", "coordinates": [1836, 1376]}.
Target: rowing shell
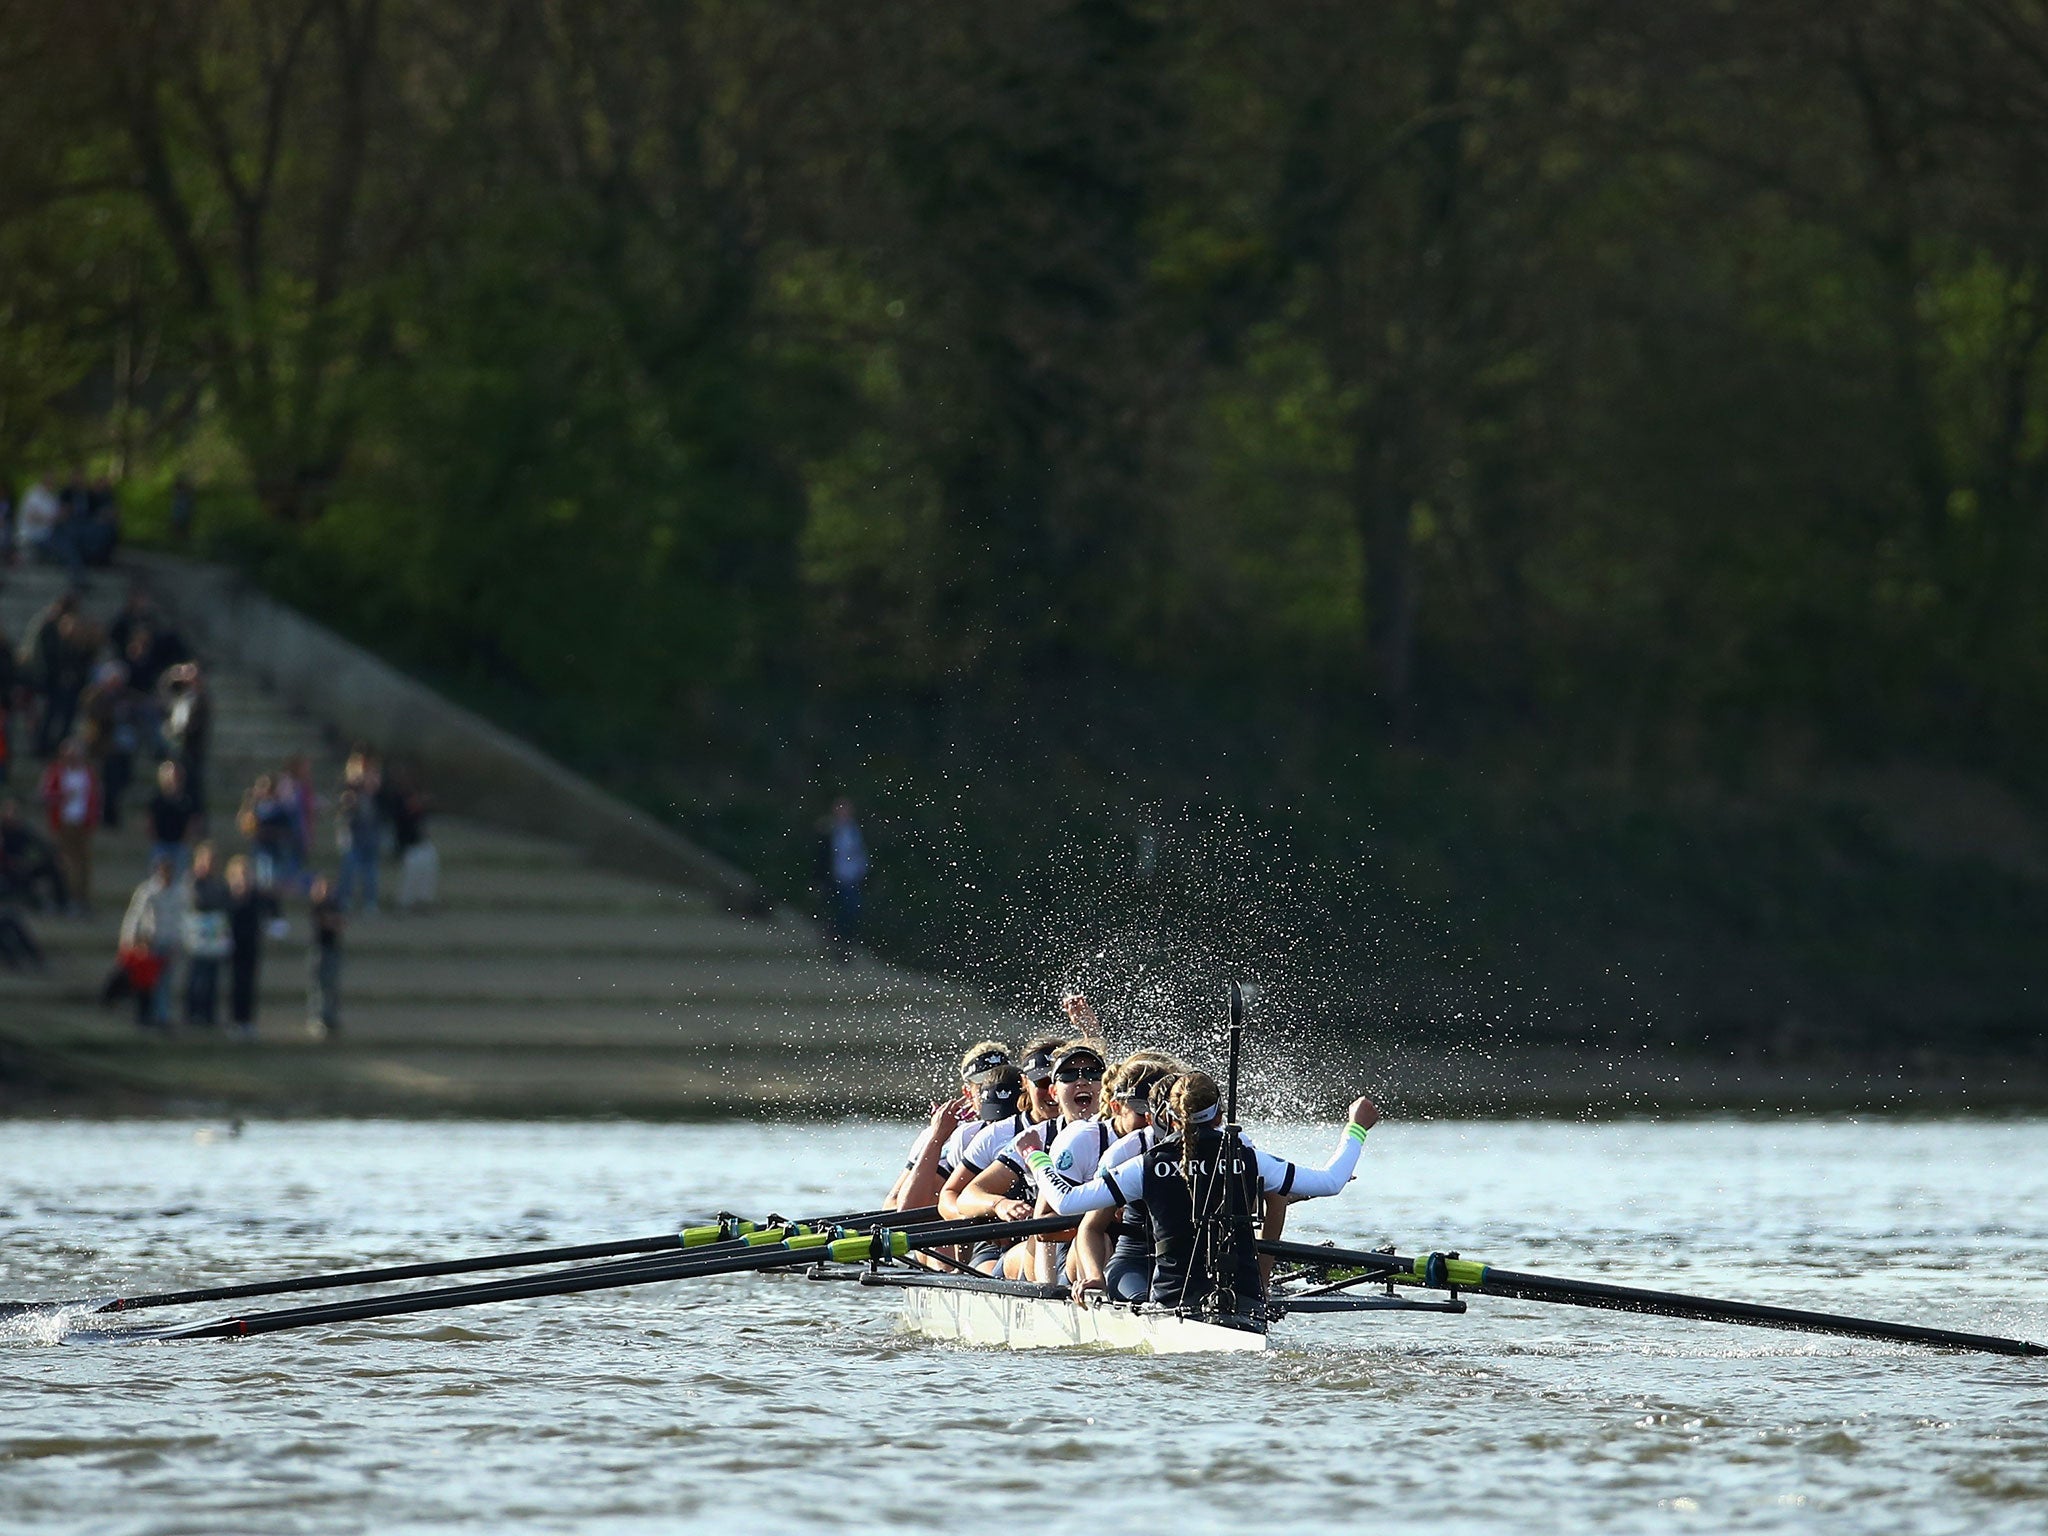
{"type": "Point", "coordinates": [1021, 1322]}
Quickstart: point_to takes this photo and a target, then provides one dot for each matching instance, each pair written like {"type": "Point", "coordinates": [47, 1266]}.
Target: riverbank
{"type": "Point", "coordinates": [83, 1067]}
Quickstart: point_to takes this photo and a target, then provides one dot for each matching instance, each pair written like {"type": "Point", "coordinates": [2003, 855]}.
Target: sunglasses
{"type": "Point", "coordinates": [1078, 1075]}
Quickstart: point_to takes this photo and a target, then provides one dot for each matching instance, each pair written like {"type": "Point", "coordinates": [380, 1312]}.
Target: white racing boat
{"type": "Point", "coordinates": [1002, 1316]}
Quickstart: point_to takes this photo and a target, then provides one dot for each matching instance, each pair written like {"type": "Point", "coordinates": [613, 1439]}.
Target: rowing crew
{"type": "Point", "coordinates": [1135, 1150]}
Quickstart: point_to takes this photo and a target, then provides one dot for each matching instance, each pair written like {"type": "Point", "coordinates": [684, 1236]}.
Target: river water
{"type": "Point", "coordinates": [780, 1405]}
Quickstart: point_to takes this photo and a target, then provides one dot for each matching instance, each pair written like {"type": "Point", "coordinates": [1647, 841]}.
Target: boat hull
{"type": "Point", "coordinates": [1020, 1322]}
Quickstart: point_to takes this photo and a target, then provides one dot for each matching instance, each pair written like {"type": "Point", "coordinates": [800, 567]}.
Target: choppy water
{"type": "Point", "coordinates": [772, 1405]}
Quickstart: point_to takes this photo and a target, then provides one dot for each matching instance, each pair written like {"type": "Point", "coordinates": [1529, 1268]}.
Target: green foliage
{"type": "Point", "coordinates": [1549, 381]}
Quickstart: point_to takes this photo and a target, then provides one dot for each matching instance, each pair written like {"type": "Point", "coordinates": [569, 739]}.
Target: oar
{"type": "Point", "coordinates": [689, 1237]}
{"type": "Point", "coordinates": [1437, 1271]}
{"type": "Point", "coordinates": [772, 1252]}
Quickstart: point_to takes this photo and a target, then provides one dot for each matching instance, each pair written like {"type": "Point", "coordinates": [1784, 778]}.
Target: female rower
{"type": "Point", "coordinates": [982, 1146]}
{"type": "Point", "coordinates": [1195, 1205]}
{"type": "Point", "coordinates": [1007, 1188]}
{"type": "Point", "coordinates": [1125, 1272]}
{"type": "Point", "coordinates": [936, 1152]}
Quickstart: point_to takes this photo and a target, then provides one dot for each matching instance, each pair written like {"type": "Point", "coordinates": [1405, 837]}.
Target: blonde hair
{"type": "Point", "coordinates": [1148, 1065]}
{"type": "Point", "coordinates": [1192, 1094]}
{"type": "Point", "coordinates": [980, 1048]}
{"type": "Point", "coordinates": [1042, 1043]}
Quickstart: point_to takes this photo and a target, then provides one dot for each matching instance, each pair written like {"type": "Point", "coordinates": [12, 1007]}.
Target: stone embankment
{"type": "Point", "coordinates": [609, 969]}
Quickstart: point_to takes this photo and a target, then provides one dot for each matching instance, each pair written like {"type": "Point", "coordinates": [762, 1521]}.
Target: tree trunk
{"type": "Point", "coordinates": [1384, 505]}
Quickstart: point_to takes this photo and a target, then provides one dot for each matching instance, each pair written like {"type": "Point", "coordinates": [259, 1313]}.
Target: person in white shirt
{"type": "Point", "coordinates": [37, 520]}
{"type": "Point", "coordinates": [936, 1151]}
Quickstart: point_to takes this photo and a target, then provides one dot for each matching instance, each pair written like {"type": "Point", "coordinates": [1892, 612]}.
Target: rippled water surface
{"type": "Point", "coordinates": [776, 1404]}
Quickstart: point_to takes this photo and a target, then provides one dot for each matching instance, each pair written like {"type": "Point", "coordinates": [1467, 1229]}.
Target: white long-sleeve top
{"type": "Point", "coordinates": [1125, 1182]}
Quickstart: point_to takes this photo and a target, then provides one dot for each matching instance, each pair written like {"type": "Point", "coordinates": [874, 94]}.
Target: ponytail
{"type": "Point", "coordinates": [1194, 1094]}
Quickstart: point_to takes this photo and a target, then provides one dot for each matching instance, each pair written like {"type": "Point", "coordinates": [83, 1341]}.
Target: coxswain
{"type": "Point", "coordinates": [936, 1152]}
{"type": "Point", "coordinates": [1199, 1211]}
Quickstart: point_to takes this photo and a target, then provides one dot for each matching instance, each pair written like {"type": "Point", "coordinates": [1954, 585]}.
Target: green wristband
{"type": "Point", "coordinates": [1356, 1131]}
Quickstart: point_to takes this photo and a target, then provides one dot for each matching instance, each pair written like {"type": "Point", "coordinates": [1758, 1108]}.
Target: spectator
{"type": "Point", "coordinates": [209, 938]}
{"type": "Point", "coordinates": [358, 832]}
{"type": "Point", "coordinates": [188, 725]}
{"type": "Point", "coordinates": [145, 641]}
{"type": "Point", "coordinates": [28, 862]}
{"type": "Point", "coordinates": [323, 963]}
{"type": "Point", "coordinates": [108, 708]}
{"type": "Point", "coordinates": [151, 932]}
{"type": "Point", "coordinates": [294, 790]}
{"type": "Point", "coordinates": [13, 683]}
{"type": "Point", "coordinates": [145, 707]}
{"type": "Point", "coordinates": [36, 521]}
{"type": "Point", "coordinates": [250, 909]}
{"type": "Point", "coordinates": [267, 824]}
{"type": "Point", "coordinates": [10, 503]}
{"type": "Point", "coordinates": [71, 796]}
{"type": "Point", "coordinates": [419, 866]}
{"type": "Point", "coordinates": [19, 950]}
{"type": "Point", "coordinates": [171, 816]}
{"type": "Point", "coordinates": [99, 533]}
{"type": "Point", "coordinates": [49, 651]}
{"type": "Point", "coordinates": [843, 861]}
{"type": "Point", "coordinates": [67, 539]}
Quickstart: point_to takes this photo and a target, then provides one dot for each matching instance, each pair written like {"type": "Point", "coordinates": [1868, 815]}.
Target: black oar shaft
{"type": "Point", "coordinates": [688, 1265]}
{"type": "Point", "coordinates": [1513, 1285]}
{"type": "Point", "coordinates": [530, 1258]}
{"type": "Point", "coordinates": [1708, 1309]}
{"type": "Point", "coordinates": [599, 1278]}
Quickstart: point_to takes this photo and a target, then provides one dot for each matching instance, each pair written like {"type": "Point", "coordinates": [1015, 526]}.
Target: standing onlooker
{"type": "Point", "coordinates": [26, 862]}
{"type": "Point", "coordinates": [323, 963]}
{"type": "Point", "coordinates": [294, 790]}
{"type": "Point", "coordinates": [208, 938]}
{"type": "Point", "coordinates": [71, 795]}
{"type": "Point", "coordinates": [99, 533]}
{"type": "Point", "coordinates": [36, 521]}
{"type": "Point", "coordinates": [48, 655]}
{"type": "Point", "coordinates": [249, 912]}
{"type": "Point", "coordinates": [188, 725]}
{"type": "Point", "coordinates": [844, 863]}
{"type": "Point", "coordinates": [419, 865]}
{"type": "Point", "coordinates": [171, 814]}
{"type": "Point", "coordinates": [151, 931]}
{"type": "Point", "coordinates": [159, 649]}
{"type": "Point", "coordinates": [358, 831]}
{"type": "Point", "coordinates": [108, 710]}
{"type": "Point", "coordinates": [12, 683]}
{"type": "Point", "coordinates": [18, 947]}
{"type": "Point", "coordinates": [267, 824]}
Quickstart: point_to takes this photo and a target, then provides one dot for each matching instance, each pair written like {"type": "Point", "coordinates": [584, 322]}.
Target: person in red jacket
{"type": "Point", "coordinates": [71, 794]}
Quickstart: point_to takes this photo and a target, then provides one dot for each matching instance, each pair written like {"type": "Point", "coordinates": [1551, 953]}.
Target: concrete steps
{"type": "Point", "coordinates": [539, 982]}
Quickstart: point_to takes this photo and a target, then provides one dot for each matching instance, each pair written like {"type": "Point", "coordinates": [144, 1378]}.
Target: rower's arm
{"type": "Point", "coordinates": [914, 1190]}
{"type": "Point", "coordinates": [1113, 1186]}
{"type": "Point", "coordinates": [954, 1187]}
{"type": "Point", "coordinates": [1283, 1178]}
{"type": "Point", "coordinates": [1089, 1256]}
{"type": "Point", "coordinates": [990, 1188]}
